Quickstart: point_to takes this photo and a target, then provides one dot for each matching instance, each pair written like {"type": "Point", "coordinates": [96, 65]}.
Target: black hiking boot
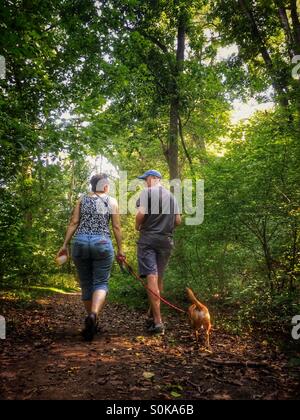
{"type": "Point", "coordinates": [90, 327]}
{"type": "Point", "coordinates": [157, 329]}
{"type": "Point", "coordinates": [149, 322]}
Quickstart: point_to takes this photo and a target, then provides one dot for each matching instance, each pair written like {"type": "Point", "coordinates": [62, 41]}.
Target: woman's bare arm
{"type": "Point", "coordinates": [116, 225]}
{"type": "Point", "coordinates": [73, 225]}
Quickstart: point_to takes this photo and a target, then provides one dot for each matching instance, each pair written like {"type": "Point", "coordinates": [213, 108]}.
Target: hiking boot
{"type": "Point", "coordinates": [90, 327]}
{"type": "Point", "coordinates": [149, 323]}
{"type": "Point", "coordinates": [158, 329]}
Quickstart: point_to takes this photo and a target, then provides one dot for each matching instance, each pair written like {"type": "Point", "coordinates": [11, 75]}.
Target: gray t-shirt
{"type": "Point", "coordinates": [160, 208]}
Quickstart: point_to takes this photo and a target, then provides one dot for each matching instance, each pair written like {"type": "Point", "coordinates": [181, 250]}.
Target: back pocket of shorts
{"type": "Point", "coordinates": [102, 249]}
{"type": "Point", "coordinates": [79, 250]}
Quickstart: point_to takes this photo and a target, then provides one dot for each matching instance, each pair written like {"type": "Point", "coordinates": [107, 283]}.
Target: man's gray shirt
{"type": "Point", "coordinates": [160, 208]}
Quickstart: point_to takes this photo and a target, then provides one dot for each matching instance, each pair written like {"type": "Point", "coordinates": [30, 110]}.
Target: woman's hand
{"type": "Point", "coordinates": [121, 256]}
{"type": "Point", "coordinates": [64, 250]}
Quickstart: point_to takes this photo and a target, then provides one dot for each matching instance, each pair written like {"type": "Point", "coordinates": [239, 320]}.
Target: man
{"type": "Point", "coordinates": [157, 216]}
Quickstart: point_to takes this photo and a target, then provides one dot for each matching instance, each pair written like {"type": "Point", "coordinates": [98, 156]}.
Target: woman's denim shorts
{"type": "Point", "coordinates": [93, 256]}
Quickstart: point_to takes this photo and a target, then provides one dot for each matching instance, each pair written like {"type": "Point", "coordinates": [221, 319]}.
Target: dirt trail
{"type": "Point", "coordinates": [44, 358]}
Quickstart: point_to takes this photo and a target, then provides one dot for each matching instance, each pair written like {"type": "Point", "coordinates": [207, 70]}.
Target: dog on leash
{"type": "Point", "coordinates": [199, 317]}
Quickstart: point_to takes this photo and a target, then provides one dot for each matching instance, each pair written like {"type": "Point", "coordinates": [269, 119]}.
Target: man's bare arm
{"type": "Point", "coordinates": [178, 220]}
{"type": "Point", "coordinates": [140, 216]}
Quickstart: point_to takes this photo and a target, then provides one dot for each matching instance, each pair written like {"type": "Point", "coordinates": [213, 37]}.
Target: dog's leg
{"type": "Point", "coordinates": [197, 336]}
{"type": "Point", "coordinates": [207, 339]}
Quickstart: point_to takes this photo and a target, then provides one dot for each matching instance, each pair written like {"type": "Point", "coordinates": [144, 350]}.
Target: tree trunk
{"type": "Point", "coordinates": [173, 159]}
{"type": "Point", "coordinates": [268, 257]}
{"type": "Point", "coordinates": [27, 194]}
{"type": "Point", "coordinates": [293, 255]}
{"type": "Point", "coordinates": [296, 25]}
{"type": "Point", "coordinates": [284, 20]}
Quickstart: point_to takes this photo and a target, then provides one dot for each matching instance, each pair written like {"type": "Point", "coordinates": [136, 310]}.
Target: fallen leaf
{"type": "Point", "coordinates": [175, 394]}
{"type": "Point", "coordinates": [148, 375]}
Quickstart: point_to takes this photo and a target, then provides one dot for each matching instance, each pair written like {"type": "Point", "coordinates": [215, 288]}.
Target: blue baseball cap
{"type": "Point", "coordinates": [152, 172]}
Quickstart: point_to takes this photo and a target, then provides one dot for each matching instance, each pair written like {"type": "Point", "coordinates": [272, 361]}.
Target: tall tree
{"type": "Point", "coordinates": [267, 30]}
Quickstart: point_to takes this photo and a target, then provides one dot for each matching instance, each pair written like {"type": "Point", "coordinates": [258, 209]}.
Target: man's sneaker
{"type": "Point", "coordinates": [90, 327]}
{"type": "Point", "coordinates": [149, 322]}
{"type": "Point", "coordinates": [157, 329]}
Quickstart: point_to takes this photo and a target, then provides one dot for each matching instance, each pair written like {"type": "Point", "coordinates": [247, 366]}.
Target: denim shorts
{"type": "Point", "coordinates": [93, 256]}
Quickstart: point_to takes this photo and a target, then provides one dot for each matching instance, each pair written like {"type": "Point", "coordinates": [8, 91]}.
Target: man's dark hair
{"type": "Point", "coordinates": [98, 182]}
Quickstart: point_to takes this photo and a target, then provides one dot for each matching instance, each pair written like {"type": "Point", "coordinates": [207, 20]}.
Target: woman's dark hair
{"type": "Point", "coordinates": [98, 182]}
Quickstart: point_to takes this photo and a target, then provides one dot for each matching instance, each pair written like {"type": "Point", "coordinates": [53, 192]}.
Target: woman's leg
{"type": "Point", "coordinates": [84, 269]}
{"type": "Point", "coordinates": [98, 301]}
{"type": "Point", "coordinates": [88, 306]}
{"type": "Point", "coordinates": [104, 255]}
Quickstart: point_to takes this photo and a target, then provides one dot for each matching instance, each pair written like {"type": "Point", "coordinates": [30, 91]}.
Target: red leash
{"type": "Point", "coordinates": [122, 260]}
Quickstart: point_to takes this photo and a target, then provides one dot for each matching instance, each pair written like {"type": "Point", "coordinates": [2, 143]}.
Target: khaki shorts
{"type": "Point", "coordinates": [154, 258]}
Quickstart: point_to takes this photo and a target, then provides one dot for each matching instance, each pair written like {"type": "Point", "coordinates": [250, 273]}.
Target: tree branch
{"type": "Point", "coordinates": [286, 27]}
{"type": "Point", "coordinates": [279, 86]}
{"type": "Point", "coordinates": [155, 41]}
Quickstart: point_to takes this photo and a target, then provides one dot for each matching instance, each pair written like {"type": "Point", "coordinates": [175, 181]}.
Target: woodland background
{"type": "Point", "coordinates": [154, 84]}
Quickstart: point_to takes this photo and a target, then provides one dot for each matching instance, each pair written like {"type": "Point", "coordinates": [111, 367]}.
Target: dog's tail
{"type": "Point", "coordinates": [194, 300]}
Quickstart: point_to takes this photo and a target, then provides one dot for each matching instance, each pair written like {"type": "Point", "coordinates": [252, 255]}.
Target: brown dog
{"type": "Point", "coordinates": [199, 317]}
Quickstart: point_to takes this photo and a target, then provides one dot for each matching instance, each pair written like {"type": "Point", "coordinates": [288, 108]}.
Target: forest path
{"type": "Point", "coordinates": [44, 357]}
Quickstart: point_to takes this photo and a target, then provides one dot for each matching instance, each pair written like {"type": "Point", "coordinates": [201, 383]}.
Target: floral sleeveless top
{"type": "Point", "coordinates": [95, 215]}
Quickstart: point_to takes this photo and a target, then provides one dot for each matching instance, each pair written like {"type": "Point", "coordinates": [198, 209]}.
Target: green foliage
{"type": "Point", "coordinates": [246, 252]}
{"type": "Point", "coordinates": [112, 65]}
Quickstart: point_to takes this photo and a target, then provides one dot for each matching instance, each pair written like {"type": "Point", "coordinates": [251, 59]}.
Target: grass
{"type": "Point", "coordinates": [31, 293]}
{"type": "Point", "coordinates": [127, 291]}
{"type": "Point", "coordinates": [62, 284]}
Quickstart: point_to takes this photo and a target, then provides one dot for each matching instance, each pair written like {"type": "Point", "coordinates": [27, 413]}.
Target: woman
{"type": "Point", "coordinates": [92, 249]}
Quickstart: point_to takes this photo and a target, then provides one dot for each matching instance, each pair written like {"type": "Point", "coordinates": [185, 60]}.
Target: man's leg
{"type": "Point", "coordinates": [161, 284]}
{"type": "Point", "coordinates": [162, 259]}
{"type": "Point", "coordinates": [147, 258]}
{"type": "Point", "coordinates": [152, 280]}
{"type": "Point", "coordinates": [161, 289]}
